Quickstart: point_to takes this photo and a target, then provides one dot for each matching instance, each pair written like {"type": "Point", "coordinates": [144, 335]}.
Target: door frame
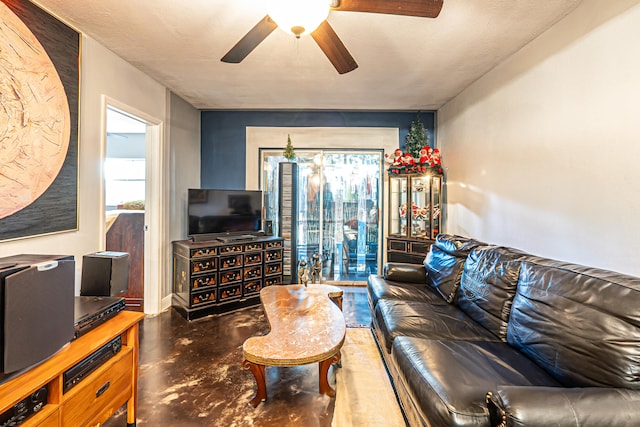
{"type": "Point", "coordinates": [261, 137]}
{"type": "Point", "coordinates": [154, 199]}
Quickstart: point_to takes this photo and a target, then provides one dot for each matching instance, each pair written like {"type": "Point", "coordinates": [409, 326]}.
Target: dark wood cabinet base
{"type": "Point", "coordinates": [412, 251]}
{"type": "Point", "coordinates": [213, 277]}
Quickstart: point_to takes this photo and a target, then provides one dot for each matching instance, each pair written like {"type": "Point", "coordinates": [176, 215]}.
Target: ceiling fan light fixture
{"type": "Point", "coordinates": [298, 17]}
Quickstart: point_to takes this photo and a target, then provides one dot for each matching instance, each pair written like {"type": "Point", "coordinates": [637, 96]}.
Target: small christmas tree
{"type": "Point", "coordinates": [289, 154]}
{"type": "Point", "coordinates": [416, 138]}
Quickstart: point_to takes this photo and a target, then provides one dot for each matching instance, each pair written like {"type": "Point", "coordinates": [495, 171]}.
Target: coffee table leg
{"type": "Point", "coordinates": [337, 300]}
{"type": "Point", "coordinates": [258, 373]}
{"type": "Point", "coordinates": [323, 366]}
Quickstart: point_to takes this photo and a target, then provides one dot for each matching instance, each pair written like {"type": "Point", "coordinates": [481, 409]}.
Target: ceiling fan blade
{"type": "Point", "coordinates": [421, 8]}
{"type": "Point", "coordinates": [250, 41]}
{"type": "Point", "coordinates": [333, 48]}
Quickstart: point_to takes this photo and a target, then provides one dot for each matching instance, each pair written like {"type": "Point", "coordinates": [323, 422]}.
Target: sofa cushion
{"type": "Point", "coordinates": [533, 406]}
{"type": "Point", "coordinates": [404, 272]}
{"type": "Point", "coordinates": [581, 324]}
{"type": "Point", "coordinates": [444, 263]}
{"type": "Point", "coordinates": [395, 318]}
{"type": "Point", "coordinates": [447, 381]}
{"type": "Point", "coordinates": [488, 286]}
{"type": "Point", "coordinates": [377, 288]}
{"type": "Point", "coordinates": [457, 245]}
{"type": "Point", "coordinates": [444, 272]}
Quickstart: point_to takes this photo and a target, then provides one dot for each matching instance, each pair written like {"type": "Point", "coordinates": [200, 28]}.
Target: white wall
{"type": "Point", "coordinates": [543, 152]}
{"type": "Point", "coordinates": [184, 134]}
{"type": "Point", "coordinates": [105, 74]}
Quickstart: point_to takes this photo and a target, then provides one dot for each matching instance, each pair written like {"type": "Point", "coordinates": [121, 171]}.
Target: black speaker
{"type": "Point", "coordinates": [105, 274]}
{"type": "Point", "coordinates": [37, 312]}
{"type": "Point", "coordinates": [267, 227]}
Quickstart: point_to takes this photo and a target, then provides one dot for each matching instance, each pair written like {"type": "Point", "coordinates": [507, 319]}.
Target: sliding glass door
{"type": "Point", "coordinates": [339, 196]}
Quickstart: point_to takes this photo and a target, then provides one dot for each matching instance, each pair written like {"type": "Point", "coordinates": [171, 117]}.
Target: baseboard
{"type": "Point", "coordinates": [165, 304]}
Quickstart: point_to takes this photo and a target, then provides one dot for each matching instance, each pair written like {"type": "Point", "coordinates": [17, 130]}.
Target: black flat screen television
{"type": "Point", "coordinates": [214, 213]}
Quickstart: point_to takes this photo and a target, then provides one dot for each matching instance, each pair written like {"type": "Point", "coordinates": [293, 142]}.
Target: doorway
{"type": "Point", "coordinates": [339, 194]}
{"type": "Point", "coordinates": [132, 189]}
{"type": "Point", "coordinates": [124, 190]}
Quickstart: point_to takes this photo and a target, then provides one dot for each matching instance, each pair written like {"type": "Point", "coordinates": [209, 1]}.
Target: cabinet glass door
{"type": "Point", "coordinates": [398, 212]}
{"type": "Point", "coordinates": [420, 207]}
{"type": "Point", "coordinates": [436, 212]}
{"type": "Point", "coordinates": [415, 205]}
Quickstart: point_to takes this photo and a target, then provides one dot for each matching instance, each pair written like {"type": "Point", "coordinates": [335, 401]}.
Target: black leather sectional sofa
{"type": "Point", "coordinates": [484, 335]}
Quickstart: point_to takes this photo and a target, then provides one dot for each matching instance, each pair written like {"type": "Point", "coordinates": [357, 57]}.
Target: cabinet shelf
{"type": "Point", "coordinates": [81, 405]}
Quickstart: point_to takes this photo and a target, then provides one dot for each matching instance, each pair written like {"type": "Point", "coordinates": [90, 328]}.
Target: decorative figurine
{"type": "Point", "coordinates": [425, 155]}
{"type": "Point", "coordinates": [316, 272]}
{"type": "Point", "coordinates": [303, 272]}
{"type": "Point", "coordinates": [435, 158]}
{"type": "Point", "coordinates": [408, 160]}
{"type": "Point", "coordinates": [402, 210]}
{"type": "Point", "coordinates": [396, 160]}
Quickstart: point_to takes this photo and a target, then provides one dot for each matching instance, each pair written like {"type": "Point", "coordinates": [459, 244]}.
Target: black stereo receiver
{"type": "Point", "coordinates": [82, 369]}
{"type": "Point", "coordinates": [24, 409]}
{"type": "Point", "coordinates": [91, 312]}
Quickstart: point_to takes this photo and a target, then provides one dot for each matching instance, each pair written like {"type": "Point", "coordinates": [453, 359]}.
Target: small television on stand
{"type": "Point", "coordinates": [225, 215]}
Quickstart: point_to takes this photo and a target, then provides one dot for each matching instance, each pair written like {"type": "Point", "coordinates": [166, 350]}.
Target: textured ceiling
{"type": "Point", "coordinates": [405, 63]}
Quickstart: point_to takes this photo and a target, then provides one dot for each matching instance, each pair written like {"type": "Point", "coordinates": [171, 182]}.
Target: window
{"type": "Point", "coordinates": [124, 181]}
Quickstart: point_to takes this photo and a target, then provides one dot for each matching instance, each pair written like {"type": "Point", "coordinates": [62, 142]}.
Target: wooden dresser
{"type": "Point", "coordinates": [211, 277]}
{"type": "Point", "coordinates": [92, 400]}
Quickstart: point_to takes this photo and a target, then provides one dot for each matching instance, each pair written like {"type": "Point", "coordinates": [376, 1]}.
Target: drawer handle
{"type": "Point", "coordinates": [102, 389]}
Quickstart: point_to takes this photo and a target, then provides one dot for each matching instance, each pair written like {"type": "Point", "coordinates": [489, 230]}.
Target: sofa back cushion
{"type": "Point", "coordinates": [488, 286]}
{"type": "Point", "coordinates": [581, 324]}
{"type": "Point", "coordinates": [445, 261]}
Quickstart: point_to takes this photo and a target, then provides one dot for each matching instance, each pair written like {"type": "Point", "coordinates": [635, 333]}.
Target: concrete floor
{"type": "Point", "coordinates": [191, 374]}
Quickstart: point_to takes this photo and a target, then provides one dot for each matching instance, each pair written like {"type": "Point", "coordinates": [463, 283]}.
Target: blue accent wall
{"type": "Point", "coordinates": [223, 133]}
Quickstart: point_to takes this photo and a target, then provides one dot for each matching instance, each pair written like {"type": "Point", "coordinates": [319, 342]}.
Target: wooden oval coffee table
{"type": "Point", "coordinates": [307, 326]}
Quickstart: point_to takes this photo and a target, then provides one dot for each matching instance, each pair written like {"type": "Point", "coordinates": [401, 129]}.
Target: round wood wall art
{"type": "Point", "coordinates": [35, 121]}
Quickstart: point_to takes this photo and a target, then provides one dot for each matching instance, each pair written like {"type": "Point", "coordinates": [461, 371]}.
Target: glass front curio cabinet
{"type": "Point", "coordinates": [415, 206]}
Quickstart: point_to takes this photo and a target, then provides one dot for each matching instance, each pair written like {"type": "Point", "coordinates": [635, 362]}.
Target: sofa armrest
{"type": "Point", "coordinates": [405, 272]}
{"type": "Point", "coordinates": [557, 406]}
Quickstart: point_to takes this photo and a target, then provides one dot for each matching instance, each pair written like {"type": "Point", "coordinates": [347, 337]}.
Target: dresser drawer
{"type": "Point", "coordinates": [255, 246]}
{"type": "Point", "coordinates": [251, 288]}
{"type": "Point", "coordinates": [270, 269]}
{"type": "Point", "coordinates": [276, 244]}
{"type": "Point", "coordinates": [204, 297]}
{"type": "Point", "coordinates": [273, 255]}
{"type": "Point", "coordinates": [254, 258]}
{"type": "Point", "coordinates": [229, 292]}
{"type": "Point", "coordinates": [97, 397]}
{"type": "Point", "coordinates": [276, 280]}
{"type": "Point", "coordinates": [204, 265]}
{"type": "Point", "coordinates": [230, 261]}
{"type": "Point", "coordinates": [203, 252]}
{"type": "Point", "coordinates": [230, 249]}
{"type": "Point", "coordinates": [252, 272]}
{"type": "Point", "coordinates": [397, 245]}
{"type": "Point", "coordinates": [230, 276]}
{"type": "Point", "coordinates": [204, 281]}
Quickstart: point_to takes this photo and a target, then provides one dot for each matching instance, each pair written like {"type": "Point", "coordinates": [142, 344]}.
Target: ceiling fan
{"type": "Point", "coordinates": [324, 35]}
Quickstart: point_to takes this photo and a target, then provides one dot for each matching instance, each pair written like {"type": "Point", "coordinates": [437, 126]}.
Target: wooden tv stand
{"type": "Point", "coordinates": [213, 277]}
{"type": "Point", "coordinates": [96, 397]}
